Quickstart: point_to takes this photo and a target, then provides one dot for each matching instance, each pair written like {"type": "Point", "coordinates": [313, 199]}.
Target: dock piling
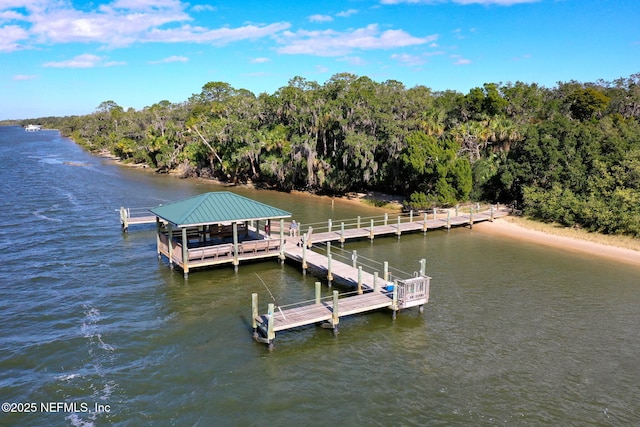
{"type": "Point", "coordinates": [318, 292]}
{"type": "Point", "coordinates": [254, 314]}
{"type": "Point", "coordinates": [335, 317]}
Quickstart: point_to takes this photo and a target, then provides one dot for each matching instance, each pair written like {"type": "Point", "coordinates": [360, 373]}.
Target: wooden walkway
{"type": "Point", "coordinates": [135, 216]}
{"type": "Point", "coordinates": [413, 224]}
{"type": "Point", "coordinates": [372, 291]}
{"type": "Point", "coordinates": [324, 312]}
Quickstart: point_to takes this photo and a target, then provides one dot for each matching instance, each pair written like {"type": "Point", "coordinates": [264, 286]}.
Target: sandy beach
{"type": "Point", "coordinates": [507, 228]}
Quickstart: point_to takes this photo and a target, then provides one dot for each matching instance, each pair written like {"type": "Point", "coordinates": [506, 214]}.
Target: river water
{"type": "Point", "coordinates": [514, 334]}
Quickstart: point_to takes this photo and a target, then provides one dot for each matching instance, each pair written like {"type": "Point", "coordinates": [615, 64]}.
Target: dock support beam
{"type": "Point", "coordinates": [170, 240]}
{"type": "Point", "coordinates": [185, 254]}
{"type": "Point", "coordinates": [254, 315]}
{"type": "Point", "coordinates": [282, 257]}
{"type": "Point", "coordinates": [318, 292]}
{"type": "Point", "coordinates": [234, 226]}
{"type": "Point", "coordinates": [385, 274]}
{"type": "Point", "coordinates": [375, 282]}
{"type": "Point", "coordinates": [371, 233]}
{"type": "Point", "coordinates": [335, 316]}
{"type": "Point", "coordinates": [304, 254]}
{"type": "Point", "coordinates": [271, 335]}
{"type": "Point", "coordinates": [124, 219]}
{"type": "Point", "coordinates": [424, 223]}
{"type": "Point", "coordinates": [398, 232]}
{"type": "Point", "coordinates": [394, 306]}
{"type": "Point", "coordinates": [329, 273]}
{"type": "Point", "coordinates": [359, 280]}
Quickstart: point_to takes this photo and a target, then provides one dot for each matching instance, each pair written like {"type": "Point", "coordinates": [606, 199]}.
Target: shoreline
{"type": "Point", "coordinates": [516, 229]}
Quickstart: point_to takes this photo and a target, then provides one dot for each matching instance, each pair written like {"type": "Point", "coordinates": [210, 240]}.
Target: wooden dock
{"type": "Point", "coordinates": [402, 223]}
{"type": "Point", "coordinates": [135, 216]}
{"type": "Point", "coordinates": [373, 291]}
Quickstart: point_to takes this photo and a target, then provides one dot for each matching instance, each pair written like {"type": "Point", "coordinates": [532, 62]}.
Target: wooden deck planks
{"type": "Point", "coordinates": [341, 272]}
{"type": "Point", "coordinates": [389, 229]}
{"type": "Point", "coordinates": [316, 313]}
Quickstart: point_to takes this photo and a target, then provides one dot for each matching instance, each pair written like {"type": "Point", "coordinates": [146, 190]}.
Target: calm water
{"type": "Point", "coordinates": [513, 334]}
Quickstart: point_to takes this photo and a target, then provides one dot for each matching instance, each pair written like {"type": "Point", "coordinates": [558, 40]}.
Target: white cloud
{"type": "Point", "coordinates": [86, 60]}
{"type": "Point", "coordinates": [259, 60]}
{"type": "Point", "coordinates": [10, 36]}
{"type": "Point", "coordinates": [336, 43]}
{"type": "Point", "coordinates": [116, 24]}
{"type": "Point", "coordinates": [459, 60]}
{"type": "Point", "coordinates": [347, 13]}
{"type": "Point", "coordinates": [463, 2]}
{"type": "Point", "coordinates": [353, 60]}
{"type": "Point", "coordinates": [204, 8]}
{"type": "Point", "coordinates": [21, 77]}
{"type": "Point", "coordinates": [410, 60]}
{"type": "Point", "coordinates": [170, 59]}
{"type": "Point", "coordinates": [320, 18]}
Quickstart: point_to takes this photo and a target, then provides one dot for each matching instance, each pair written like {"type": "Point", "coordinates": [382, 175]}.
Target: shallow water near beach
{"type": "Point", "coordinates": [514, 334]}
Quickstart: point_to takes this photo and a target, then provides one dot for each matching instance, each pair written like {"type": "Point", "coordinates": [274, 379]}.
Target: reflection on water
{"type": "Point", "coordinates": [513, 333]}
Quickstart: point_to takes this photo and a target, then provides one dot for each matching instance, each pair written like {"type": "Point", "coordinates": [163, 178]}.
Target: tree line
{"type": "Point", "coordinates": [569, 154]}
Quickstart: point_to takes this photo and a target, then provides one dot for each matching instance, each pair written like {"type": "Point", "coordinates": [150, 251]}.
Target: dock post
{"type": "Point", "coordinates": [170, 238]}
{"type": "Point", "coordinates": [158, 241]}
{"type": "Point", "coordinates": [424, 223]}
{"type": "Point", "coordinates": [434, 213]}
{"type": "Point", "coordinates": [318, 292]}
{"type": "Point", "coordinates": [329, 274]}
{"type": "Point", "coordinates": [185, 254]}
{"type": "Point", "coordinates": [354, 258]}
{"type": "Point", "coordinates": [359, 280]}
{"type": "Point", "coordinates": [385, 274]}
{"type": "Point", "coordinates": [329, 224]}
{"type": "Point", "coordinates": [124, 219]}
{"type": "Point", "coordinates": [386, 218]}
{"type": "Point", "coordinates": [304, 254]}
{"type": "Point", "coordinates": [282, 257]}
{"type": "Point", "coordinates": [423, 266]}
{"type": "Point", "coordinates": [271, 335]}
{"type": "Point", "coordinates": [375, 281]}
{"type": "Point", "coordinates": [358, 222]}
{"type": "Point", "coordinates": [342, 233]}
{"type": "Point", "coordinates": [471, 218]}
{"type": "Point", "coordinates": [309, 234]}
{"type": "Point", "coordinates": [448, 220]}
{"type": "Point", "coordinates": [335, 316]}
{"type": "Point", "coordinates": [234, 227]}
{"type": "Point", "coordinates": [398, 232]}
{"type": "Point", "coordinates": [411, 215]}
{"type": "Point", "coordinates": [371, 233]}
{"type": "Point", "coordinates": [254, 314]}
{"type": "Point", "coordinates": [395, 299]}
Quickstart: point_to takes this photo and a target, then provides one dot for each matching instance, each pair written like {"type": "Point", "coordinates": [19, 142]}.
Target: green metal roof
{"type": "Point", "coordinates": [215, 208]}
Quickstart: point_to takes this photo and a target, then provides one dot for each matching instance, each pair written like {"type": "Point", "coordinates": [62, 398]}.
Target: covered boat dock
{"type": "Point", "coordinates": [217, 228]}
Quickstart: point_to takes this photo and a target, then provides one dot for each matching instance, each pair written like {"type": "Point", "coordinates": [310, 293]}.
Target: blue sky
{"type": "Point", "coordinates": [65, 57]}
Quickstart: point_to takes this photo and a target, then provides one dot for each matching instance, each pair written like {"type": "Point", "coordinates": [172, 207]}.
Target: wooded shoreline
{"type": "Point", "coordinates": [621, 248]}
